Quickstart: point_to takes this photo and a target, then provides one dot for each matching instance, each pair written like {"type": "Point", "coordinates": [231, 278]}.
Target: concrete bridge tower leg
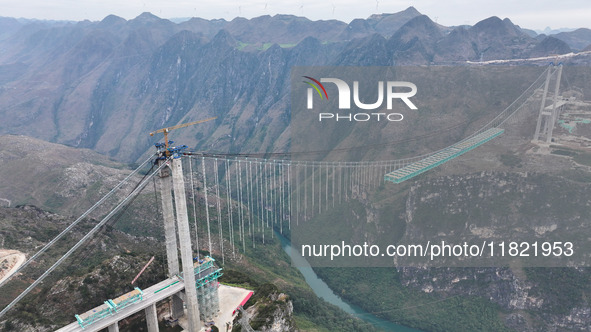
{"type": "Point", "coordinates": [172, 256]}
{"type": "Point", "coordinates": [172, 253]}
{"type": "Point", "coordinates": [185, 244]}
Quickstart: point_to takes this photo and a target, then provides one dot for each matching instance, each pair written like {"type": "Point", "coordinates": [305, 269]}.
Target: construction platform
{"type": "Point", "coordinates": [445, 155]}
{"type": "Point", "coordinates": [230, 299]}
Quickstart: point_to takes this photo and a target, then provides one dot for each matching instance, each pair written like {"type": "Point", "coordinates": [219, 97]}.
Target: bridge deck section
{"type": "Point", "coordinates": [153, 294]}
{"type": "Point", "coordinates": [445, 155]}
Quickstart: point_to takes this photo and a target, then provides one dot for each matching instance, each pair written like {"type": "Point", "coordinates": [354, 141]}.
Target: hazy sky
{"type": "Point", "coordinates": [534, 14]}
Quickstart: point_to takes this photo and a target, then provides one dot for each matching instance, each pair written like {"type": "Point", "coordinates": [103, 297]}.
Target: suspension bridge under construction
{"type": "Point", "coordinates": [256, 195]}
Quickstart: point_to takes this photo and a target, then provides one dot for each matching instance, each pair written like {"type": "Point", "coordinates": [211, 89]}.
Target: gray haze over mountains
{"type": "Point", "coordinates": [105, 85]}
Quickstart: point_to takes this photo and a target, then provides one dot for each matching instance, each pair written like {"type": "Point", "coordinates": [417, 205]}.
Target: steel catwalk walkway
{"type": "Point", "coordinates": [447, 154]}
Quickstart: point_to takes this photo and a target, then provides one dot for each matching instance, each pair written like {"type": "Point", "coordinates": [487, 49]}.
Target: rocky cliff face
{"type": "Point", "coordinates": [494, 205]}
{"type": "Point", "coordinates": [282, 317]}
{"type": "Point", "coordinates": [269, 311]}
{"type": "Point", "coordinates": [529, 298]}
{"type": "Point", "coordinates": [501, 206]}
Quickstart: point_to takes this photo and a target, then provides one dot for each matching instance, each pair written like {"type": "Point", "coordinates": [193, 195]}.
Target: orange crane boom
{"type": "Point", "coordinates": [168, 129]}
{"type": "Point", "coordinates": [142, 270]}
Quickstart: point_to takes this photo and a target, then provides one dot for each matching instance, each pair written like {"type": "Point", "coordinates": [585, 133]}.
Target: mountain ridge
{"type": "Point", "coordinates": [105, 85]}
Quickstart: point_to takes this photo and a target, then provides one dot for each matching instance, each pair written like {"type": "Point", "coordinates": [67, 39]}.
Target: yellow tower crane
{"type": "Point", "coordinates": [168, 129]}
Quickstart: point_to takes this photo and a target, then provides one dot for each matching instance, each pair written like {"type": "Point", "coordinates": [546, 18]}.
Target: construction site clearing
{"type": "Point", "coordinates": [230, 299]}
{"type": "Point", "coordinates": [10, 261]}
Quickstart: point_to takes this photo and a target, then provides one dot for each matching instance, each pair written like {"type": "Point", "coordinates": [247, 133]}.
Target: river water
{"type": "Point", "coordinates": [322, 290]}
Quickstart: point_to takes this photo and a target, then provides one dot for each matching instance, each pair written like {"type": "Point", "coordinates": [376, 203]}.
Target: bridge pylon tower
{"type": "Point", "coordinates": [174, 172]}
{"type": "Point", "coordinates": [549, 113]}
